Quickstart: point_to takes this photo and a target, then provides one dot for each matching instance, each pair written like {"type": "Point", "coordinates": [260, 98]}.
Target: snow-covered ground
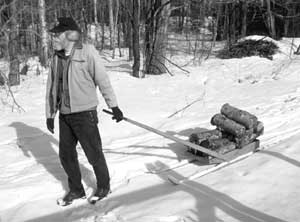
{"type": "Point", "coordinates": [263, 187]}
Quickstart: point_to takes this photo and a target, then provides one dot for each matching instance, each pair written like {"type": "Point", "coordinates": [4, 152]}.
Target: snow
{"type": "Point", "coordinates": [262, 187]}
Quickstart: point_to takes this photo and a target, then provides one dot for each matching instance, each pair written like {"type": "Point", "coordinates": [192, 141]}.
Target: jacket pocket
{"type": "Point", "coordinates": [81, 70]}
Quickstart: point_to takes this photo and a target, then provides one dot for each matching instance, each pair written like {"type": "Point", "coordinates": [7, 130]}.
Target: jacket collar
{"type": "Point", "coordinates": [78, 44]}
{"type": "Point", "coordinates": [77, 52]}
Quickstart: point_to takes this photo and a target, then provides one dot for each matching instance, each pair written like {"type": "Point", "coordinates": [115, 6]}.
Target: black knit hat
{"type": "Point", "coordinates": [65, 24]}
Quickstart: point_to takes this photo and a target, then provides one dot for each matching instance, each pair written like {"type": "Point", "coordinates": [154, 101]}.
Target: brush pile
{"type": "Point", "coordinates": [248, 48]}
{"type": "Point", "coordinates": [235, 129]}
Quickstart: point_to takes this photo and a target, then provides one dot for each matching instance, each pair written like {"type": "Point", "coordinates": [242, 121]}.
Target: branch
{"type": "Point", "coordinates": [11, 93]}
{"type": "Point", "coordinates": [156, 11]}
{"type": "Point", "coordinates": [297, 51]}
{"type": "Point", "coordinates": [171, 74]}
{"type": "Point", "coordinates": [187, 106]}
{"type": "Point", "coordinates": [175, 64]}
{"type": "Point", "coordinates": [127, 10]}
{"type": "Point", "coordinates": [27, 30]}
{"type": "Point", "coordinates": [283, 17]}
{"type": "Point", "coordinates": [159, 10]}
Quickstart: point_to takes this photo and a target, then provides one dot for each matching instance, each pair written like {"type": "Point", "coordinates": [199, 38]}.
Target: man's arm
{"type": "Point", "coordinates": [97, 70]}
{"type": "Point", "coordinates": [103, 82]}
{"type": "Point", "coordinates": [49, 115]}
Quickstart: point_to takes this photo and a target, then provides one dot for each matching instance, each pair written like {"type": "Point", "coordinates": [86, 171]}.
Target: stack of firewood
{"type": "Point", "coordinates": [235, 129]}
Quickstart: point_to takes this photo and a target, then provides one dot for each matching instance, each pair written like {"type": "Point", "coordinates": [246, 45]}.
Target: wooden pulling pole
{"type": "Point", "coordinates": [186, 143]}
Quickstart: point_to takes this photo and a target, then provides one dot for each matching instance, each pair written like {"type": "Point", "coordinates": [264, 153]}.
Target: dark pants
{"type": "Point", "coordinates": [81, 127]}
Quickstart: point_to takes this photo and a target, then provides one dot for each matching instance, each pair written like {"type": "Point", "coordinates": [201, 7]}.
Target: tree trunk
{"type": "Point", "coordinates": [149, 32]}
{"type": "Point", "coordinates": [244, 19]}
{"type": "Point", "coordinates": [95, 13]}
{"type": "Point", "coordinates": [216, 25]}
{"type": "Point", "coordinates": [155, 34]}
{"type": "Point", "coordinates": [13, 76]}
{"type": "Point", "coordinates": [102, 15]}
{"type": "Point", "coordinates": [22, 36]}
{"type": "Point", "coordinates": [44, 46]}
{"type": "Point", "coordinates": [181, 18]}
{"type": "Point", "coordinates": [111, 25]}
{"type": "Point", "coordinates": [119, 39]}
{"type": "Point", "coordinates": [233, 22]}
{"type": "Point", "coordinates": [115, 25]}
{"type": "Point", "coordinates": [83, 24]}
{"type": "Point", "coordinates": [287, 22]}
{"type": "Point", "coordinates": [136, 39]}
{"type": "Point", "coordinates": [97, 25]}
{"type": "Point", "coordinates": [127, 30]}
{"type": "Point", "coordinates": [271, 20]}
{"type": "Point", "coordinates": [33, 31]}
{"type": "Point", "coordinates": [227, 25]}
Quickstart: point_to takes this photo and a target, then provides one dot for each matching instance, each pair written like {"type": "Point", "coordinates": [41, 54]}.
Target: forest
{"type": "Point", "coordinates": [148, 29]}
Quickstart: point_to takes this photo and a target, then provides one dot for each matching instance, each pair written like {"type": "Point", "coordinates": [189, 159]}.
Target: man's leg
{"type": "Point", "coordinates": [68, 153]}
{"type": "Point", "coordinates": [90, 140]}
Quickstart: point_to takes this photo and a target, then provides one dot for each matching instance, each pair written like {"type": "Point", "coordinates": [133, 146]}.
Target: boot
{"type": "Point", "coordinates": [70, 197]}
{"type": "Point", "coordinates": [99, 194]}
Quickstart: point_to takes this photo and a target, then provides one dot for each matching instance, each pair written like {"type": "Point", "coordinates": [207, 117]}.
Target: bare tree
{"type": "Point", "coordinates": [95, 12]}
{"type": "Point", "coordinates": [155, 34]}
{"type": "Point", "coordinates": [131, 31]}
{"type": "Point", "coordinates": [44, 35]}
{"type": "Point", "coordinates": [97, 26]}
{"type": "Point", "coordinates": [271, 20]}
{"type": "Point", "coordinates": [111, 24]}
{"type": "Point", "coordinates": [102, 16]}
{"type": "Point", "coordinates": [115, 26]}
{"type": "Point", "coordinates": [13, 76]}
{"type": "Point", "coordinates": [136, 39]}
{"type": "Point", "coordinates": [127, 26]}
{"type": "Point", "coordinates": [244, 18]}
{"type": "Point", "coordinates": [32, 29]}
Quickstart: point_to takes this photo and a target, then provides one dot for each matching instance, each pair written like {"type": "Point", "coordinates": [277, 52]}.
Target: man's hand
{"type": "Point", "coordinates": [50, 124]}
{"type": "Point", "coordinates": [117, 114]}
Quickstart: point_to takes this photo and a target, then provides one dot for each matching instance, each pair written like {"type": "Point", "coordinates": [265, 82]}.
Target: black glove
{"type": "Point", "coordinates": [117, 114]}
{"type": "Point", "coordinates": [50, 124]}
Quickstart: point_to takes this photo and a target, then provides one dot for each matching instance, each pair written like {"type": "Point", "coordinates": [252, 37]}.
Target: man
{"type": "Point", "coordinates": [75, 72]}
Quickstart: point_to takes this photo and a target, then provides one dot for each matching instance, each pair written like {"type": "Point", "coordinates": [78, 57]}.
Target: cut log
{"type": "Point", "coordinates": [228, 136]}
{"type": "Point", "coordinates": [247, 138]}
{"type": "Point", "coordinates": [250, 135]}
{"type": "Point", "coordinates": [259, 129]}
{"type": "Point", "coordinates": [197, 138]}
{"type": "Point", "coordinates": [228, 125]}
{"type": "Point", "coordinates": [220, 145]}
{"type": "Point", "coordinates": [240, 116]}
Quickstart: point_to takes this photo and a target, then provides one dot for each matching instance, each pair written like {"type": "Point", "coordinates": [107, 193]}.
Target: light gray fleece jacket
{"type": "Point", "coordinates": [85, 72]}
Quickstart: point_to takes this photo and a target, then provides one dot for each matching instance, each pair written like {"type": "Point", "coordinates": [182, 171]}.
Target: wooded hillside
{"type": "Point", "coordinates": [142, 26]}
